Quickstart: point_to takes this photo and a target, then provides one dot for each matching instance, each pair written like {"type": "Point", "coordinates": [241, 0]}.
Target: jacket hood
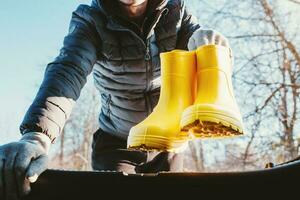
{"type": "Point", "coordinates": [109, 9]}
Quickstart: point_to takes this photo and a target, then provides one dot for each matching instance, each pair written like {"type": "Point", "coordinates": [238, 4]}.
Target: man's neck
{"type": "Point", "coordinates": [134, 13]}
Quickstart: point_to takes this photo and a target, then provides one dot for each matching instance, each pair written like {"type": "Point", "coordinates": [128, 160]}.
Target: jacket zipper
{"type": "Point", "coordinates": [149, 65]}
{"type": "Point", "coordinates": [147, 58]}
{"type": "Point", "coordinates": [108, 104]}
{"type": "Point", "coordinates": [148, 77]}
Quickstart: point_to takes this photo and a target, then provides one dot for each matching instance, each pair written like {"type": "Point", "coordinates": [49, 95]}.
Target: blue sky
{"type": "Point", "coordinates": [31, 35]}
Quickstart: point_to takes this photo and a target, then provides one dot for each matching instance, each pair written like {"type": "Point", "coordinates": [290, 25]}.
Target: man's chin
{"type": "Point", "coordinates": [134, 11]}
{"type": "Point", "coordinates": [132, 4]}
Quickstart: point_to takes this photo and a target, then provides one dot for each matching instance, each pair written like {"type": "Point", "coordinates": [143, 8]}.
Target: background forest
{"type": "Point", "coordinates": [263, 35]}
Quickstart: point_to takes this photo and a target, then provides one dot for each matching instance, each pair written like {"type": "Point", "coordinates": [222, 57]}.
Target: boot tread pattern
{"type": "Point", "coordinates": [207, 129]}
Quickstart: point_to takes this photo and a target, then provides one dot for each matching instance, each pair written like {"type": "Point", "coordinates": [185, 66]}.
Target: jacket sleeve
{"type": "Point", "coordinates": [189, 25]}
{"type": "Point", "coordinates": [64, 78]}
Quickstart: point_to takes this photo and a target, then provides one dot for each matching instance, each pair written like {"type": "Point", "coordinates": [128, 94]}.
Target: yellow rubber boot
{"type": "Point", "coordinates": [215, 112]}
{"type": "Point", "coordinates": [161, 129]}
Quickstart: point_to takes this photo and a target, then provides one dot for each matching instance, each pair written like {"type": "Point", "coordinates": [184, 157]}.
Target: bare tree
{"type": "Point", "coordinates": [194, 159]}
{"type": "Point", "coordinates": [73, 148]}
{"type": "Point", "coordinates": [266, 77]}
{"type": "Point", "coordinates": [295, 1]}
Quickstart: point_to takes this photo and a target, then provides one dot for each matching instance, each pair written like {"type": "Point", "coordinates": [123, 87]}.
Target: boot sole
{"type": "Point", "coordinates": [157, 143]}
{"type": "Point", "coordinates": [207, 124]}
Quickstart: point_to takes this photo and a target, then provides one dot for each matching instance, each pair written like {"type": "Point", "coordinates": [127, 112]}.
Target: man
{"type": "Point", "coordinates": [121, 41]}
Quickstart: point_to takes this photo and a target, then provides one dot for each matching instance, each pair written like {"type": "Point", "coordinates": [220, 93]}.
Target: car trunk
{"type": "Point", "coordinates": [273, 182]}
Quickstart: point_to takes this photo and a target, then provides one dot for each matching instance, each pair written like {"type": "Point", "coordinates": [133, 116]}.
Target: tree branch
{"type": "Point", "coordinates": [269, 13]}
{"type": "Point", "coordinates": [295, 1]}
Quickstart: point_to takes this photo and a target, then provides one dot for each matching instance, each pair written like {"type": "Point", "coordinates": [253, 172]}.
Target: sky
{"type": "Point", "coordinates": [31, 34]}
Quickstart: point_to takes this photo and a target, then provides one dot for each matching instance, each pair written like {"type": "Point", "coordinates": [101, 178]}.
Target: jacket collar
{"type": "Point", "coordinates": [109, 9]}
{"type": "Point", "coordinates": [117, 22]}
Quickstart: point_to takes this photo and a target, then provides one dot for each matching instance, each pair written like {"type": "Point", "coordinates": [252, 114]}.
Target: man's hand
{"type": "Point", "coordinates": [21, 163]}
{"type": "Point", "coordinates": [205, 37]}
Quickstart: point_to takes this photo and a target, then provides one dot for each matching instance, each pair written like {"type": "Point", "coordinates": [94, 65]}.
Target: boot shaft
{"type": "Point", "coordinates": [214, 70]}
{"type": "Point", "coordinates": [178, 75]}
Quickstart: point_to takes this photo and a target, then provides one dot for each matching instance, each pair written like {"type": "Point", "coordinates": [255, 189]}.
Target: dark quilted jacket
{"type": "Point", "coordinates": [124, 60]}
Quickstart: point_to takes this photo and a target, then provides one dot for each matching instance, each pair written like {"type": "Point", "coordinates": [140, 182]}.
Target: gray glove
{"type": "Point", "coordinates": [21, 163]}
{"type": "Point", "coordinates": [208, 36]}
{"type": "Point", "coordinates": [205, 37]}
